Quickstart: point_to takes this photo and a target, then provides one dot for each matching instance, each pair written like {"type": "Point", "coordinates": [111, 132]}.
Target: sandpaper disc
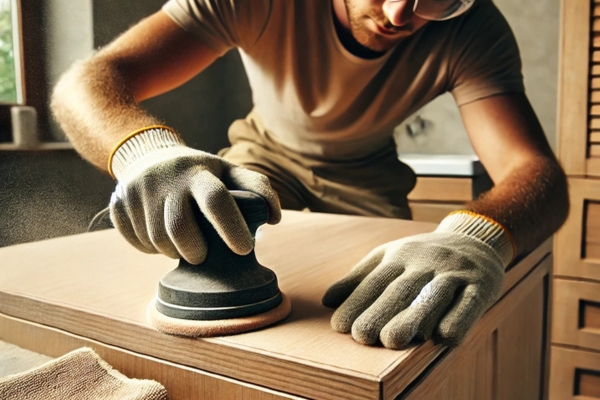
{"type": "Point", "coordinates": [222, 327]}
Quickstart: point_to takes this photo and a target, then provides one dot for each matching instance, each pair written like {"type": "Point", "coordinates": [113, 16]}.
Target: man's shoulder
{"type": "Point", "coordinates": [223, 23]}
{"type": "Point", "coordinates": [476, 31]}
{"type": "Point", "coordinates": [237, 10]}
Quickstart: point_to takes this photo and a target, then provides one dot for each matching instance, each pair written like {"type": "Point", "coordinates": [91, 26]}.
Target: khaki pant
{"type": "Point", "coordinates": [376, 185]}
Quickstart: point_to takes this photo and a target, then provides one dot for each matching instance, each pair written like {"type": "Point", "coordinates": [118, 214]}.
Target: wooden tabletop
{"type": "Point", "coordinates": [96, 285]}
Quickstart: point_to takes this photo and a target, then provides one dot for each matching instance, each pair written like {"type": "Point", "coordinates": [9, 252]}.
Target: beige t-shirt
{"type": "Point", "coordinates": [316, 98]}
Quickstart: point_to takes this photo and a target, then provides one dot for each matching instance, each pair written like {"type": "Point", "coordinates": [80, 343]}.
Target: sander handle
{"type": "Point", "coordinates": [253, 207]}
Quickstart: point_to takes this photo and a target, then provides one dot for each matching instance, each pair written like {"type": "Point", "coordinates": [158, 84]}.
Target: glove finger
{"type": "Point", "coordinates": [396, 297]}
{"type": "Point", "coordinates": [183, 231]}
{"type": "Point", "coordinates": [467, 310]}
{"type": "Point", "coordinates": [219, 208]}
{"type": "Point", "coordinates": [244, 179]}
{"type": "Point", "coordinates": [337, 293]}
{"type": "Point", "coordinates": [159, 236]}
{"type": "Point", "coordinates": [364, 296]}
{"type": "Point", "coordinates": [137, 210]}
{"type": "Point", "coordinates": [121, 220]}
{"type": "Point", "coordinates": [420, 318]}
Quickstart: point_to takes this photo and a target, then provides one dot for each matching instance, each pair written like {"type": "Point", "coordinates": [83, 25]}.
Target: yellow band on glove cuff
{"type": "Point", "coordinates": [483, 227]}
{"type": "Point", "coordinates": [126, 138]}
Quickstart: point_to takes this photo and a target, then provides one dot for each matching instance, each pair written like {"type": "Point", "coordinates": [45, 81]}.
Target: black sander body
{"type": "Point", "coordinates": [227, 293]}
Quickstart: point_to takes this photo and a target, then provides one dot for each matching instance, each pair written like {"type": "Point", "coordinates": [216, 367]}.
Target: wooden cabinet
{"type": "Point", "coordinates": [445, 183]}
{"type": "Point", "coordinates": [575, 332]}
{"type": "Point", "coordinates": [434, 197]}
{"type": "Point", "coordinates": [578, 241]}
{"type": "Point", "coordinates": [575, 374]}
{"type": "Point", "coordinates": [92, 290]}
{"type": "Point", "coordinates": [579, 88]}
{"type": "Point", "coordinates": [503, 365]}
{"type": "Point", "coordinates": [576, 306]}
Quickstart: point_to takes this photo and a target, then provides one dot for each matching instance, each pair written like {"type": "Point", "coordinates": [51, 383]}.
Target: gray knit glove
{"type": "Point", "coordinates": [160, 181]}
{"type": "Point", "coordinates": [435, 284]}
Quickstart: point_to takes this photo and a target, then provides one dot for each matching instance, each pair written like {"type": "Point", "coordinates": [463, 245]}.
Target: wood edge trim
{"type": "Point", "coordinates": [145, 367]}
{"type": "Point", "coordinates": [31, 309]}
{"type": "Point", "coordinates": [518, 271]}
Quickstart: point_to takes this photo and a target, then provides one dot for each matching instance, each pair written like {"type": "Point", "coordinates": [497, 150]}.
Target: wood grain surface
{"type": "Point", "coordinates": [95, 286]}
{"type": "Point", "coordinates": [432, 212]}
{"type": "Point", "coordinates": [592, 229]}
{"type": "Point", "coordinates": [454, 189]}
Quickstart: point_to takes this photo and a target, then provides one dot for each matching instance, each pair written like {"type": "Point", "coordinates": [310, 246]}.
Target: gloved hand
{"type": "Point", "coordinates": [160, 180]}
{"type": "Point", "coordinates": [434, 284]}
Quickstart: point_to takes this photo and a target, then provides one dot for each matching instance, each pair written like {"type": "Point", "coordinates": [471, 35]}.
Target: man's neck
{"type": "Point", "coordinates": [342, 28]}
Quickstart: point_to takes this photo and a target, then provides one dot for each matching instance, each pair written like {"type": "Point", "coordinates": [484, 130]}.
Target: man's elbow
{"type": "Point", "coordinates": [65, 89]}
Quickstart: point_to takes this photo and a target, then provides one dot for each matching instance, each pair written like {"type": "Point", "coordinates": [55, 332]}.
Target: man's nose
{"type": "Point", "coordinates": [399, 12]}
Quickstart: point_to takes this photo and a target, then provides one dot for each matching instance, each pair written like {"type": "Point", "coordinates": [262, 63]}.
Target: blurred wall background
{"type": "Point", "coordinates": [536, 27]}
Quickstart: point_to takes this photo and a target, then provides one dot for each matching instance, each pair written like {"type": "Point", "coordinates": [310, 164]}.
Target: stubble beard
{"type": "Point", "coordinates": [366, 37]}
{"type": "Point", "coordinates": [363, 35]}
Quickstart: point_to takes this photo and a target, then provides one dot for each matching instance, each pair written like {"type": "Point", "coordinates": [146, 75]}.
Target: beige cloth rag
{"type": "Point", "coordinates": [80, 374]}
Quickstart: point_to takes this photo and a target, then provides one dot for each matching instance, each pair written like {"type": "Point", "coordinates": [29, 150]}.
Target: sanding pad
{"type": "Point", "coordinates": [221, 327]}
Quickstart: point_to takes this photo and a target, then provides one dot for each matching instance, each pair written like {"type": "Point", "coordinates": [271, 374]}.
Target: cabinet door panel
{"type": "Point", "coordinates": [576, 313]}
{"type": "Point", "coordinates": [574, 374]}
{"type": "Point", "coordinates": [577, 243]}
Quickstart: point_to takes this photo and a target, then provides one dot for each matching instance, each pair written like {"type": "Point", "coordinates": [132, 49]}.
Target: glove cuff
{"type": "Point", "coordinates": [139, 143]}
{"type": "Point", "coordinates": [483, 228]}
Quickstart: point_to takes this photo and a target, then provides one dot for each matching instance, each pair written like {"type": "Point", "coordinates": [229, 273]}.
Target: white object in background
{"type": "Point", "coordinates": [24, 126]}
{"type": "Point", "coordinates": [443, 164]}
{"type": "Point", "coordinates": [438, 127]}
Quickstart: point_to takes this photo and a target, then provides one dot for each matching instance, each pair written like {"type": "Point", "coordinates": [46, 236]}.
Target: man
{"type": "Point", "coordinates": [330, 81]}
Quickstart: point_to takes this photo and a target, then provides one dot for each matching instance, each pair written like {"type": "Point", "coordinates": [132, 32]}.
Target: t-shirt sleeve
{"type": "Point", "coordinates": [221, 24]}
{"type": "Point", "coordinates": [485, 59]}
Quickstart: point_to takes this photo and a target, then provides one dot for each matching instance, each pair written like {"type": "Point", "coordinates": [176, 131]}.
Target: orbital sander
{"type": "Point", "coordinates": [225, 294]}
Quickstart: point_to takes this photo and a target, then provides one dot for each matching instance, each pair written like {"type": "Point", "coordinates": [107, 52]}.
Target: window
{"type": "Point", "coordinates": [11, 83]}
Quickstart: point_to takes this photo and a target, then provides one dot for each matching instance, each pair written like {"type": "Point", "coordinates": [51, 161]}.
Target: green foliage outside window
{"type": "Point", "coordinates": [8, 90]}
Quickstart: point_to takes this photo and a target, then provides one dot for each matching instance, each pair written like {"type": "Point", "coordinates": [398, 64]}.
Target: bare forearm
{"type": "Point", "coordinates": [532, 202]}
{"type": "Point", "coordinates": [95, 107]}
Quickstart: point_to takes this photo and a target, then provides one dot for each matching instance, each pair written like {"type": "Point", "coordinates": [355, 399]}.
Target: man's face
{"type": "Point", "coordinates": [379, 25]}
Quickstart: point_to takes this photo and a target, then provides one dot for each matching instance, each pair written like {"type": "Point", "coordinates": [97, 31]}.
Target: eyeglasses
{"type": "Point", "coordinates": [440, 10]}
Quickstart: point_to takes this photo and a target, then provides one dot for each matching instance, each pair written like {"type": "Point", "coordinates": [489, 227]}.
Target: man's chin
{"type": "Point", "coordinates": [376, 44]}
